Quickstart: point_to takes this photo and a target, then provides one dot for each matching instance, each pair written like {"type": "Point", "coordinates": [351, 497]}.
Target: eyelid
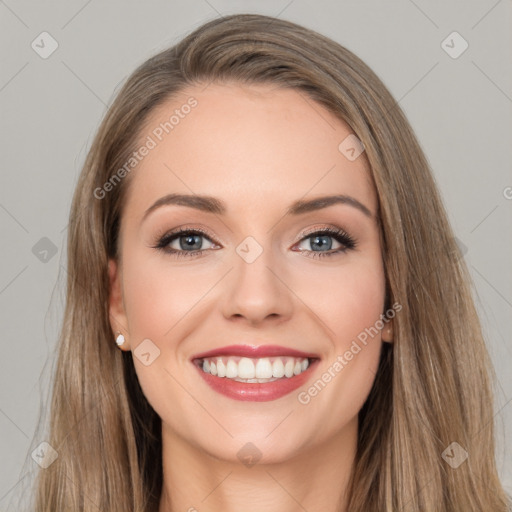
{"type": "Point", "coordinates": [323, 227]}
{"type": "Point", "coordinates": [184, 229]}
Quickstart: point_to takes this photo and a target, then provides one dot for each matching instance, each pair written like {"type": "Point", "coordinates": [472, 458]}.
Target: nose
{"type": "Point", "coordinates": [256, 290]}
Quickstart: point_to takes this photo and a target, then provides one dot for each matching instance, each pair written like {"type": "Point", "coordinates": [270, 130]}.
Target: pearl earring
{"type": "Point", "coordinates": [120, 340]}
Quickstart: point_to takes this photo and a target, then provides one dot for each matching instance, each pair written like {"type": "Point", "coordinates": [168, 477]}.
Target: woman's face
{"type": "Point", "coordinates": [265, 276]}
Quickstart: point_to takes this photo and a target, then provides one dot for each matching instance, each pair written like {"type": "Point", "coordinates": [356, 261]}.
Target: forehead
{"type": "Point", "coordinates": [248, 145]}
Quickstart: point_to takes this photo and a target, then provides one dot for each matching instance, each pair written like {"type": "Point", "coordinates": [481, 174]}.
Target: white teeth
{"type": "Point", "coordinates": [245, 369]}
{"type": "Point", "coordinates": [231, 370]}
{"type": "Point", "coordinates": [278, 368]}
{"type": "Point", "coordinates": [264, 368]}
{"type": "Point", "coordinates": [252, 381]}
{"type": "Point", "coordinates": [221, 368]}
{"type": "Point", "coordinates": [288, 368]}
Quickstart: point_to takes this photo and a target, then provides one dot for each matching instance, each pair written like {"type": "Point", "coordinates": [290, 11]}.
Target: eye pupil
{"type": "Point", "coordinates": [323, 243]}
{"type": "Point", "coordinates": [192, 242]}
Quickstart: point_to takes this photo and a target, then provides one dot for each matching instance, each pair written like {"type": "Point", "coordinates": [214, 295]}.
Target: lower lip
{"type": "Point", "coordinates": [257, 392]}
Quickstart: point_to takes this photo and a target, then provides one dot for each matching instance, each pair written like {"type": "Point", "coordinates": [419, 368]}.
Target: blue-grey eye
{"type": "Point", "coordinates": [319, 242]}
{"type": "Point", "coordinates": [187, 242]}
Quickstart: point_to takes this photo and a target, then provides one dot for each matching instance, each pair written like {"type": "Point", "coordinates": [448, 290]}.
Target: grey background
{"type": "Point", "coordinates": [460, 109]}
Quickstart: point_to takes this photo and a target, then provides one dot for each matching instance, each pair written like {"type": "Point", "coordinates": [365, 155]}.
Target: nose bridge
{"type": "Point", "coordinates": [256, 290]}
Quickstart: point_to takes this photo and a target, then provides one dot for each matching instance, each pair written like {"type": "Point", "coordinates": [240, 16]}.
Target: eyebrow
{"type": "Point", "coordinates": [213, 205]}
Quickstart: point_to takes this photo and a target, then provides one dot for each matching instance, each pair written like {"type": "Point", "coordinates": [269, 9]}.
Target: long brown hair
{"type": "Point", "coordinates": [434, 384]}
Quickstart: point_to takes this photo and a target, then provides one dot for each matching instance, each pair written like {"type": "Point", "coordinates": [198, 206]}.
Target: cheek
{"type": "Point", "coordinates": [350, 305]}
{"type": "Point", "coordinates": [161, 299]}
{"type": "Point", "coordinates": [346, 298]}
{"type": "Point", "coordinates": [357, 301]}
{"type": "Point", "coordinates": [159, 294]}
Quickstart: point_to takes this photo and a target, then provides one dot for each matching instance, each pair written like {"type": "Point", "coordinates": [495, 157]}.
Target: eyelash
{"type": "Point", "coordinates": [338, 234]}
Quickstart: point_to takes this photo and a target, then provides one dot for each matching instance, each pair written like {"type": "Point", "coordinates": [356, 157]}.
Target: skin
{"type": "Point", "coordinates": [257, 149]}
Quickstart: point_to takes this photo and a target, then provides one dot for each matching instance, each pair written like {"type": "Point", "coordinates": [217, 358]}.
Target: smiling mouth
{"type": "Point", "coordinates": [254, 370]}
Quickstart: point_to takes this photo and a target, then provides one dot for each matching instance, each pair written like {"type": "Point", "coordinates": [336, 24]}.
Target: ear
{"type": "Point", "coordinates": [387, 332]}
{"type": "Point", "coordinates": [117, 314]}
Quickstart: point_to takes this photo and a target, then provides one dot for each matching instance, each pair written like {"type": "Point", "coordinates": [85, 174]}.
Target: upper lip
{"type": "Point", "coordinates": [254, 351]}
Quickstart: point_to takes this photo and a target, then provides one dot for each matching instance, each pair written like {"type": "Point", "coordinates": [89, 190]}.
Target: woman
{"type": "Point", "coordinates": [258, 230]}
